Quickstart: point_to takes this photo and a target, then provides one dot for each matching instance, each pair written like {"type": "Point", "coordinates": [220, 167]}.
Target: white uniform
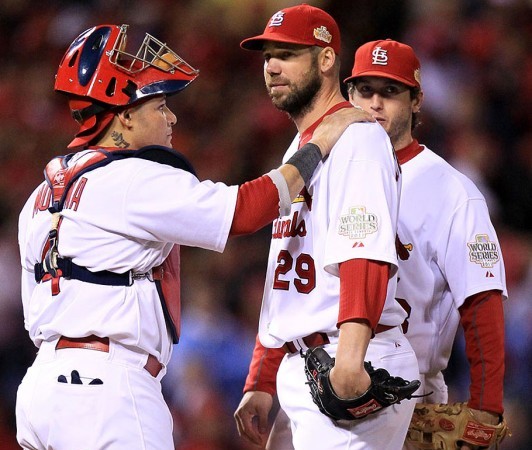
{"type": "Point", "coordinates": [126, 215]}
{"type": "Point", "coordinates": [350, 212]}
{"type": "Point", "coordinates": [453, 253]}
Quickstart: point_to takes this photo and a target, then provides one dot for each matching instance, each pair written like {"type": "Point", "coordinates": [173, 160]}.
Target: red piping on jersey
{"type": "Point", "coordinates": [410, 151]}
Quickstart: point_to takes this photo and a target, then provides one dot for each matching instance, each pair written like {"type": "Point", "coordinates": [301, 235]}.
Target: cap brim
{"type": "Point", "coordinates": [253, 43]}
{"type": "Point", "coordinates": [376, 73]}
{"type": "Point", "coordinates": [257, 42]}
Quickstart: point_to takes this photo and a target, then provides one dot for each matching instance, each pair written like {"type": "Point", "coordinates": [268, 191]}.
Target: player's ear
{"type": "Point", "coordinates": [124, 117]}
{"type": "Point", "coordinates": [417, 102]}
{"type": "Point", "coordinates": [327, 59]}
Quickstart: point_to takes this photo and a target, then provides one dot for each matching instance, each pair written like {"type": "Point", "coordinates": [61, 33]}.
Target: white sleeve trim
{"type": "Point", "coordinates": [285, 203]}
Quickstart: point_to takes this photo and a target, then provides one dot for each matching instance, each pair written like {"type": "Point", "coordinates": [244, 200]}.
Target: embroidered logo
{"type": "Point", "coordinates": [380, 56]}
{"type": "Point", "coordinates": [59, 179]}
{"type": "Point", "coordinates": [357, 223]}
{"type": "Point", "coordinates": [322, 34]}
{"type": "Point", "coordinates": [277, 19]}
{"type": "Point", "coordinates": [483, 251]}
{"type": "Point", "coordinates": [403, 250]}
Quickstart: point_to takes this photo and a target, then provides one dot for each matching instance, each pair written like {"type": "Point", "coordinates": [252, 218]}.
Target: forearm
{"type": "Point", "coordinates": [263, 368]}
{"type": "Point", "coordinates": [483, 321]}
{"type": "Point", "coordinates": [353, 343]}
{"type": "Point", "coordinates": [348, 377]}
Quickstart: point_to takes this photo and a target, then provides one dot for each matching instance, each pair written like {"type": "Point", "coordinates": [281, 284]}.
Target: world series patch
{"type": "Point", "coordinates": [357, 223]}
{"type": "Point", "coordinates": [483, 251]}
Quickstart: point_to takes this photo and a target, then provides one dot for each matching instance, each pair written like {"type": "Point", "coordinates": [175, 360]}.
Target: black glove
{"type": "Point", "coordinates": [384, 390]}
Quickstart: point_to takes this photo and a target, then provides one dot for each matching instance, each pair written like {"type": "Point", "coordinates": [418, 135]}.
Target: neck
{"type": "Point", "coordinates": [403, 142]}
{"type": "Point", "coordinates": [325, 99]}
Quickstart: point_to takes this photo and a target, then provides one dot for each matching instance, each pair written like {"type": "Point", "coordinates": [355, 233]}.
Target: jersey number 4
{"type": "Point", "coordinates": [305, 271]}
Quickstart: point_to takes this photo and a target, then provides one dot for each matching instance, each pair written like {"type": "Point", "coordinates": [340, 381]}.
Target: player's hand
{"type": "Point", "coordinates": [349, 383]}
{"type": "Point", "coordinates": [251, 416]}
{"type": "Point", "coordinates": [333, 125]}
{"type": "Point", "coordinates": [483, 417]}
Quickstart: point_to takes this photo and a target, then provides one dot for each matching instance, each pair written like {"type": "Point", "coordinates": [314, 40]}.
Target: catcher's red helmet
{"type": "Point", "coordinates": [97, 68]}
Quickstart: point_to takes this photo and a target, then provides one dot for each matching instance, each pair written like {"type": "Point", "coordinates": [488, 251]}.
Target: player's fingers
{"type": "Point", "coordinates": [333, 125]}
{"type": "Point", "coordinates": [246, 427]}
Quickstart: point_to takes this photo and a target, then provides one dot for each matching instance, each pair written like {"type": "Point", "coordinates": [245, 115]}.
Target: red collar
{"type": "Point", "coordinates": [307, 134]}
{"type": "Point", "coordinates": [410, 151]}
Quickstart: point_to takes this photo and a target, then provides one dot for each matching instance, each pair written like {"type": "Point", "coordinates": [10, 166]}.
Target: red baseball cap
{"type": "Point", "coordinates": [388, 59]}
{"type": "Point", "coordinates": [302, 24]}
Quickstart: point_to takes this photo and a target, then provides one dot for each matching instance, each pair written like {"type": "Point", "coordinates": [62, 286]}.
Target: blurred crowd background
{"type": "Point", "coordinates": [476, 74]}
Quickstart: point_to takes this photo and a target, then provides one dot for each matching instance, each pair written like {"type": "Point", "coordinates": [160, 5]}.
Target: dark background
{"type": "Point", "coordinates": [476, 68]}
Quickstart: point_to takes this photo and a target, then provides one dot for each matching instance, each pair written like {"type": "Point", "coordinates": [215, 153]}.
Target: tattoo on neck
{"type": "Point", "coordinates": [119, 140]}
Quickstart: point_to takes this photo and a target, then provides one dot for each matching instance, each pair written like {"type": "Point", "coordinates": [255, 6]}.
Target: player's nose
{"type": "Point", "coordinates": [171, 117]}
{"type": "Point", "coordinates": [376, 101]}
{"type": "Point", "coordinates": [272, 66]}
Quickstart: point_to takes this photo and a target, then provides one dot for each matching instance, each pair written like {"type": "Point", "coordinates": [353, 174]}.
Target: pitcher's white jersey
{"type": "Point", "coordinates": [348, 210]}
{"type": "Point", "coordinates": [452, 252]}
{"type": "Point", "coordinates": [113, 222]}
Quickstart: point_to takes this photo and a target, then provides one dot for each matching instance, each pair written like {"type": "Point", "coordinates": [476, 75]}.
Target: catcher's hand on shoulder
{"type": "Point", "coordinates": [385, 390]}
{"type": "Point", "coordinates": [451, 426]}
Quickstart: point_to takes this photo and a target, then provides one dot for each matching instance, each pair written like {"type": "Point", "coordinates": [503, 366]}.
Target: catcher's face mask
{"type": "Point", "coordinates": [97, 67]}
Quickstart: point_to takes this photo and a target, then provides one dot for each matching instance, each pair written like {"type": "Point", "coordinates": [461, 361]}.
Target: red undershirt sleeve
{"type": "Point", "coordinates": [363, 287]}
{"type": "Point", "coordinates": [263, 368]}
{"type": "Point", "coordinates": [482, 318]}
{"type": "Point", "coordinates": [257, 205]}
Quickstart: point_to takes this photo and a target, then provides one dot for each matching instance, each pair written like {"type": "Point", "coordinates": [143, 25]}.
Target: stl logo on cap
{"type": "Point", "coordinates": [322, 34]}
{"type": "Point", "coordinates": [380, 56]}
{"type": "Point", "coordinates": [277, 19]}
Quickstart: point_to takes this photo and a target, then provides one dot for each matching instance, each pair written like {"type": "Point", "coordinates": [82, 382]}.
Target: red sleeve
{"type": "Point", "coordinates": [257, 205]}
{"type": "Point", "coordinates": [363, 287]}
{"type": "Point", "coordinates": [482, 318]}
{"type": "Point", "coordinates": [263, 368]}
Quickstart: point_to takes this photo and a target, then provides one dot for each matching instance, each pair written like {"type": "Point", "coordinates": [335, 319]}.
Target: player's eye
{"type": "Point", "coordinates": [365, 91]}
{"type": "Point", "coordinates": [391, 90]}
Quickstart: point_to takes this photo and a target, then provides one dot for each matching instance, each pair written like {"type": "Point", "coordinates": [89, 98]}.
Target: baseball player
{"type": "Point", "coordinates": [99, 243]}
{"type": "Point", "coordinates": [451, 270]}
{"type": "Point", "coordinates": [332, 263]}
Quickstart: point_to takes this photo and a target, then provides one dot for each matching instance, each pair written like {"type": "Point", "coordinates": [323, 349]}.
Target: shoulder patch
{"type": "Point", "coordinates": [483, 251]}
{"type": "Point", "coordinates": [357, 223]}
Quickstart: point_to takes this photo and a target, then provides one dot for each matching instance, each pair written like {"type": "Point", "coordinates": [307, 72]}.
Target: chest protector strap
{"type": "Point", "coordinates": [60, 178]}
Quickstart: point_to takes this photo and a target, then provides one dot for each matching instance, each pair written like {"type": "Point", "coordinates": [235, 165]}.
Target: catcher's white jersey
{"type": "Point", "coordinates": [348, 210]}
{"type": "Point", "coordinates": [119, 218]}
{"type": "Point", "coordinates": [452, 253]}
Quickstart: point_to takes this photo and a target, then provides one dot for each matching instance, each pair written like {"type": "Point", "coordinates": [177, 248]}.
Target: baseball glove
{"type": "Point", "coordinates": [384, 390]}
{"type": "Point", "coordinates": [447, 427]}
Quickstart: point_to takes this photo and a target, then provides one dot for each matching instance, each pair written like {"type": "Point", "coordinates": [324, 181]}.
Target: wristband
{"type": "Point", "coordinates": [305, 160]}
